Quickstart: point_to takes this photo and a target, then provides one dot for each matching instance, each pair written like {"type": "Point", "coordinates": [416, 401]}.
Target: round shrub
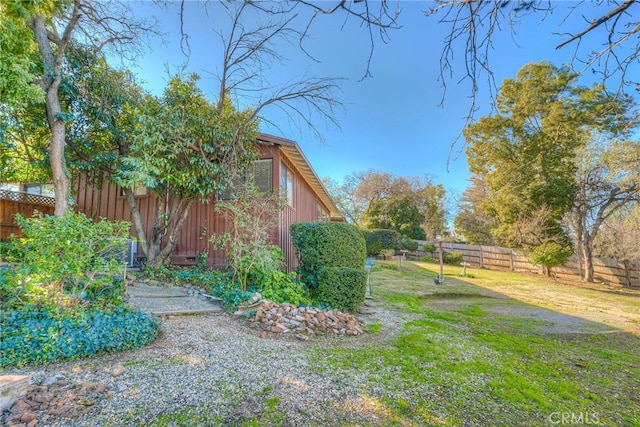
{"type": "Point", "coordinates": [407, 244]}
{"type": "Point", "coordinates": [326, 244]}
{"type": "Point", "coordinates": [550, 254]}
{"type": "Point", "coordinates": [38, 335]}
{"type": "Point", "coordinates": [453, 258]}
{"type": "Point", "coordinates": [342, 287]}
{"type": "Point", "coordinates": [378, 240]}
{"type": "Point", "coordinates": [428, 247]}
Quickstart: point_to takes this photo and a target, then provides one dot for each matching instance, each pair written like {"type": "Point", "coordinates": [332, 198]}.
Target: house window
{"type": "Point", "coordinates": [323, 215]}
{"type": "Point", "coordinates": [260, 172]}
{"type": "Point", "coordinates": [39, 189]}
{"type": "Point", "coordinates": [138, 191]}
{"type": "Point", "coordinates": [286, 183]}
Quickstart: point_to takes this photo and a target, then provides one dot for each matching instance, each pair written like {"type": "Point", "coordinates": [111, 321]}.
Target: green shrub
{"type": "Point", "coordinates": [407, 244]}
{"type": "Point", "coordinates": [11, 251]}
{"type": "Point", "coordinates": [38, 335]}
{"type": "Point", "coordinates": [378, 240]}
{"type": "Point", "coordinates": [69, 257]}
{"type": "Point", "coordinates": [374, 248]}
{"type": "Point", "coordinates": [453, 258]}
{"type": "Point", "coordinates": [427, 258]}
{"type": "Point", "coordinates": [550, 254]}
{"type": "Point", "coordinates": [342, 287]}
{"type": "Point", "coordinates": [264, 273]}
{"type": "Point", "coordinates": [326, 244]}
{"type": "Point", "coordinates": [428, 247]}
{"type": "Point", "coordinates": [283, 287]}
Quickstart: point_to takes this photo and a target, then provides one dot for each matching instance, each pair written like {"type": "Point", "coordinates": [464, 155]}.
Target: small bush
{"type": "Point", "coordinates": [67, 258]}
{"type": "Point", "coordinates": [428, 247]}
{"type": "Point", "coordinates": [283, 287]}
{"type": "Point", "coordinates": [550, 254]}
{"type": "Point", "coordinates": [427, 258]}
{"type": "Point", "coordinates": [453, 258]}
{"type": "Point", "coordinates": [407, 244]}
{"type": "Point", "coordinates": [378, 240]}
{"type": "Point", "coordinates": [341, 287]}
{"type": "Point", "coordinates": [326, 244]}
{"type": "Point", "coordinates": [38, 335]}
{"type": "Point", "coordinates": [264, 273]}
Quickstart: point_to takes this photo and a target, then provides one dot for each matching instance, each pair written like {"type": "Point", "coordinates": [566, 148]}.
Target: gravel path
{"type": "Point", "coordinates": [216, 370]}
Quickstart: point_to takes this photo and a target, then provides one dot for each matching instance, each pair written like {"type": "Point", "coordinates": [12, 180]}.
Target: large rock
{"type": "Point", "coordinates": [12, 387]}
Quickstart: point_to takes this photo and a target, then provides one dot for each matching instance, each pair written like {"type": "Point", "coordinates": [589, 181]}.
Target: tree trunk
{"type": "Point", "coordinates": [152, 248]}
{"type": "Point", "coordinates": [182, 215]}
{"type": "Point", "coordinates": [137, 221]}
{"type": "Point", "coordinates": [50, 84]}
{"type": "Point", "coordinates": [56, 154]}
{"type": "Point", "coordinates": [627, 273]}
{"type": "Point", "coordinates": [587, 256]}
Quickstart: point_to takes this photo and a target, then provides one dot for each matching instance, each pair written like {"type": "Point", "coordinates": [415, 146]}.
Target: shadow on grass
{"type": "Point", "coordinates": [504, 349]}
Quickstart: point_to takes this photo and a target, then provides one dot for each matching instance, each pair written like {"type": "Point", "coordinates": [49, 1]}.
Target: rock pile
{"type": "Point", "coordinates": [274, 318]}
{"type": "Point", "coordinates": [55, 398]}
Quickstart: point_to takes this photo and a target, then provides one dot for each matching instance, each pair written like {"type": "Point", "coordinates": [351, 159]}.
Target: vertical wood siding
{"type": "Point", "coordinates": [202, 222]}
{"type": "Point", "coordinates": [305, 209]}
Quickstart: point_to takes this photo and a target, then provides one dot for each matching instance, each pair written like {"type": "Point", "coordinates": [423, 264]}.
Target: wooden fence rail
{"type": "Point", "coordinates": [499, 258]}
{"type": "Point", "coordinates": [13, 202]}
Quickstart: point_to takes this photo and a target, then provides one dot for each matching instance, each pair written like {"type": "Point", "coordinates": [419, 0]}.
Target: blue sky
{"type": "Point", "coordinates": [391, 121]}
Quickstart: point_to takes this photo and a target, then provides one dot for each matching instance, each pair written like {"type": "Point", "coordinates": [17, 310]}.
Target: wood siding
{"type": "Point", "coordinates": [304, 209]}
{"type": "Point", "coordinates": [105, 202]}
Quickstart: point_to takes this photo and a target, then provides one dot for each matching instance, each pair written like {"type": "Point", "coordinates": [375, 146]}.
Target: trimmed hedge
{"type": "Point", "coordinates": [342, 287]}
{"type": "Point", "coordinates": [378, 240]}
{"type": "Point", "coordinates": [34, 335]}
{"type": "Point", "coordinates": [326, 244]}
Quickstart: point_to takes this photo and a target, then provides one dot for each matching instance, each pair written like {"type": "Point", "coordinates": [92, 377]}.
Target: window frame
{"type": "Point", "coordinates": [139, 190]}
{"type": "Point", "coordinates": [287, 183]}
{"type": "Point", "coordinates": [241, 180]}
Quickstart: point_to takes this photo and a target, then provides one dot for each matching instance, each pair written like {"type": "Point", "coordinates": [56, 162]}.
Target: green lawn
{"type": "Point", "coordinates": [498, 349]}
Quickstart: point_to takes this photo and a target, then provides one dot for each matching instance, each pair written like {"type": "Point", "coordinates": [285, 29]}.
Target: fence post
{"type": "Point", "coordinates": [511, 260]}
{"type": "Point", "coordinates": [481, 258]}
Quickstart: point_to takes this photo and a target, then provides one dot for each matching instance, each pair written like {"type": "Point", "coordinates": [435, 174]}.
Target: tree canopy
{"type": "Point", "coordinates": [413, 206]}
{"type": "Point", "coordinates": [525, 154]}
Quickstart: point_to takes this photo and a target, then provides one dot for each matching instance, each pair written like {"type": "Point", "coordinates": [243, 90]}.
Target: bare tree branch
{"type": "Point", "coordinates": [249, 51]}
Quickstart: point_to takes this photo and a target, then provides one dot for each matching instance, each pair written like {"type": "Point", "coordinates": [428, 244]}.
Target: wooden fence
{"type": "Point", "coordinates": [12, 203]}
{"type": "Point", "coordinates": [499, 258]}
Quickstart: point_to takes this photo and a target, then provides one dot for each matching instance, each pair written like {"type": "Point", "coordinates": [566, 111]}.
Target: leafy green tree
{"type": "Point", "coordinates": [52, 26]}
{"type": "Point", "coordinates": [397, 213]}
{"type": "Point", "coordinates": [23, 140]}
{"type": "Point", "coordinates": [525, 151]}
{"type": "Point", "coordinates": [344, 195]}
{"type": "Point", "coordinates": [183, 148]}
{"type": "Point", "coordinates": [373, 199]}
{"type": "Point", "coordinates": [472, 222]}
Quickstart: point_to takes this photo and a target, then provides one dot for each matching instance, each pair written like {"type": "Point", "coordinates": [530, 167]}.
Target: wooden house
{"type": "Point", "coordinates": [282, 166]}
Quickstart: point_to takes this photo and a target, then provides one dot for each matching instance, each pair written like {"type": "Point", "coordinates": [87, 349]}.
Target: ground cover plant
{"type": "Point", "coordinates": [63, 296]}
